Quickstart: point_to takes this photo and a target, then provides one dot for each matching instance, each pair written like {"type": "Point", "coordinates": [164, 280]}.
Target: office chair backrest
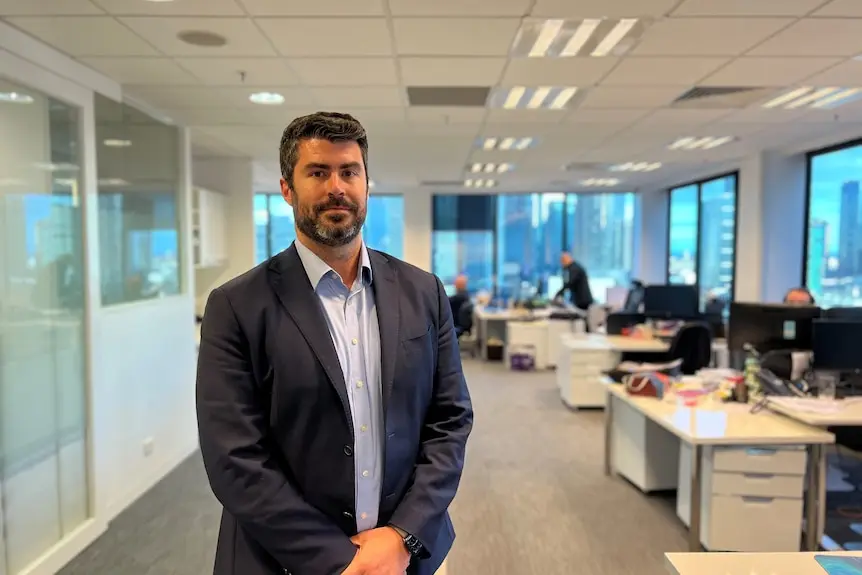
{"type": "Point", "coordinates": [464, 321]}
{"type": "Point", "coordinates": [692, 343]}
{"type": "Point", "coordinates": [618, 321]}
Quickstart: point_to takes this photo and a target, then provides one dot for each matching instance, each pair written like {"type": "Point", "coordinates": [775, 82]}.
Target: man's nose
{"type": "Point", "coordinates": [335, 185]}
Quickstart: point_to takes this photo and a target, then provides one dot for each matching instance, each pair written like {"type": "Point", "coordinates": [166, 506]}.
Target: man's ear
{"type": "Point", "coordinates": [286, 191]}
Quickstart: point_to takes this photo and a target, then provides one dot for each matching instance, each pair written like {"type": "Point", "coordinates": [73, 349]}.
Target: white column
{"type": "Point", "coordinates": [651, 249]}
{"type": "Point", "coordinates": [784, 225]}
{"type": "Point", "coordinates": [233, 177]}
{"type": "Point", "coordinates": [417, 227]}
{"type": "Point", "coordinates": [749, 230]}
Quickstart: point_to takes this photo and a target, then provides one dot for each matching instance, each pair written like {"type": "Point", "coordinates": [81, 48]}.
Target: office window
{"type": "Point", "coordinates": [463, 240]}
{"type": "Point", "coordinates": [510, 244]}
{"type": "Point", "coordinates": [139, 181]}
{"type": "Point", "coordinates": [600, 236]}
{"type": "Point", "coordinates": [833, 262]}
{"type": "Point", "coordinates": [275, 229]}
{"type": "Point", "coordinates": [702, 239]}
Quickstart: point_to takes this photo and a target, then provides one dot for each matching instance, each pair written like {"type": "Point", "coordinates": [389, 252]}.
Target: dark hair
{"type": "Point", "coordinates": [330, 126]}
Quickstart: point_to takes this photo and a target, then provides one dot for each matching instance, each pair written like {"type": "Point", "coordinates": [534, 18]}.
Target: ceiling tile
{"type": "Point", "coordinates": [508, 129]}
{"type": "Point", "coordinates": [85, 35]}
{"type": "Point", "coordinates": [172, 97]}
{"type": "Point", "coordinates": [815, 37]}
{"type": "Point", "coordinates": [601, 116]}
{"type": "Point", "coordinates": [602, 8]}
{"type": "Point", "coordinates": [761, 116]}
{"type": "Point", "coordinates": [337, 8]}
{"type": "Point", "coordinates": [847, 73]}
{"type": "Point", "coordinates": [345, 71]}
{"type": "Point", "coordinates": [662, 71]}
{"type": "Point", "coordinates": [454, 36]}
{"type": "Point", "coordinates": [747, 7]}
{"type": "Point", "coordinates": [620, 97]}
{"type": "Point", "coordinates": [497, 8]}
{"type": "Point", "coordinates": [552, 71]}
{"type": "Point", "coordinates": [229, 71]}
{"type": "Point", "coordinates": [707, 36]}
{"type": "Point", "coordinates": [141, 70]}
{"type": "Point", "coordinates": [363, 97]}
{"type": "Point", "coordinates": [754, 71]}
{"type": "Point", "coordinates": [350, 37]}
{"type": "Point", "coordinates": [47, 8]}
{"type": "Point", "coordinates": [243, 37]}
{"type": "Point", "coordinates": [528, 116]}
{"type": "Point", "coordinates": [195, 8]}
{"type": "Point", "coordinates": [682, 117]}
{"type": "Point", "coordinates": [839, 8]}
{"type": "Point", "coordinates": [446, 115]}
{"type": "Point", "coordinates": [237, 116]}
{"type": "Point", "coordinates": [428, 71]}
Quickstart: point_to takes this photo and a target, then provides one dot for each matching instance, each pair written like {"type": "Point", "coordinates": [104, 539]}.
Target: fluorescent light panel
{"type": "Point", "coordinates": [692, 143]}
{"type": "Point", "coordinates": [506, 143]}
{"type": "Point", "coordinates": [636, 167]}
{"type": "Point", "coordinates": [600, 182]}
{"type": "Point", "coordinates": [479, 183]}
{"type": "Point", "coordinates": [533, 98]}
{"type": "Point", "coordinates": [811, 97]}
{"type": "Point", "coordinates": [596, 37]}
{"type": "Point", "coordinates": [267, 98]}
{"type": "Point", "coordinates": [490, 168]}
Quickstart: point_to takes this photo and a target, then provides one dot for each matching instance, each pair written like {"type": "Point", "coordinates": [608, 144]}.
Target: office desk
{"type": "Point", "coordinates": [491, 322]}
{"type": "Point", "coordinates": [747, 563]}
{"type": "Point", "coordinates": [639, 445]}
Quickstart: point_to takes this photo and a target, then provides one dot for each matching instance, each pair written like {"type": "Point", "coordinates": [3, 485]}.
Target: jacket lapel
{"type": "Point", "coordinates": [291, 285]}
{"type": "Point", "coordinates": [388, 303]}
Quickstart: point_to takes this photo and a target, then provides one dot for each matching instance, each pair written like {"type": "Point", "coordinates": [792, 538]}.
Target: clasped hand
{"type": "Point", "coordinates": [381, 552]}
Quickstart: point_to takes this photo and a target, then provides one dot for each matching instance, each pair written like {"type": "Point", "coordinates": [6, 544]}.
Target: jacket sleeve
{"type": "Point", "coordinates": [443, 441]}
{"type": "Point", "coordinates": [238, 454]}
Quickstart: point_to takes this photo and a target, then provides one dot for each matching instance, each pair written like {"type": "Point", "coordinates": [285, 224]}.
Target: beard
{"type": "Point", "coordinates": [333, 229]}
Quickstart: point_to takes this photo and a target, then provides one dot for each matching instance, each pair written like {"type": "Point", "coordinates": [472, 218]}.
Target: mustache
{"type": "Point", "coordinates": [334, 203]}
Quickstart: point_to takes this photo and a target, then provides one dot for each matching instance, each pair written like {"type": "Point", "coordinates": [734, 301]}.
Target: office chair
{"type": "Point", "coordinates": [692, 343]}
{"type": "Point", "coordinates": [616, 322]}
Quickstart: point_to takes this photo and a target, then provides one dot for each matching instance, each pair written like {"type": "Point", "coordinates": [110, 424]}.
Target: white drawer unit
{"type": "Point", "coordinates": [751, 497]}
{"type": "Point", "coordinates": [642, 451]}
{"type": "Point", "coordinates": [532, 335]}
{"type": "Point", "coordinates": [580, 371]}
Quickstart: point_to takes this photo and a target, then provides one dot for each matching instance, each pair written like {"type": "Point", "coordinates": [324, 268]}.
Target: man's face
{"type": "Point", "coordinates": [565, 260]}
{"type": "Point", "coordinates": [798, 297]}
{"type": "Point", "coordinates": [329, 195]}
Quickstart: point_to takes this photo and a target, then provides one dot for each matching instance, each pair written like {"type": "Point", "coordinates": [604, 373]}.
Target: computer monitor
{"type": "Point", "coordinates": [769, 327]}
{"type": "Point", "coordinates": [837, 345]}
{"type": "Point", "coordinates": [854, 313]}
{"type": "Point", "coordinates": [671, 302]}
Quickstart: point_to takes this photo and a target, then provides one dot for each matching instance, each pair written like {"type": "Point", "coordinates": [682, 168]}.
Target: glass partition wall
{"type": "Point", "coordinates": [43, 456]}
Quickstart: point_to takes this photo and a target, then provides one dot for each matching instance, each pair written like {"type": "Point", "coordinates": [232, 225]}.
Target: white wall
{"type": "Point", "coordinates": [141, 356]}
{"type": "Point", "coordinates": [233, 177]}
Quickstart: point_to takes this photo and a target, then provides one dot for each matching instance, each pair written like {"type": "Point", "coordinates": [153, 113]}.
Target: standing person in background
{"type": "Point", "coordinates": [332, 408]}
{"type": "Point", "coordinates": [576, 282]}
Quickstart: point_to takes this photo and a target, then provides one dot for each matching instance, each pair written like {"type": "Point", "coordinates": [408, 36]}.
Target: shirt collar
{"type": "Point", "coordinates": [316, 268]}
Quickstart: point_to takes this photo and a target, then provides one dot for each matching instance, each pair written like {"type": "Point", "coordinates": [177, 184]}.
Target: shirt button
{"type": "Point", "coordinates": [348, 451]}
{"type": "Point", "coordinates": [354, 341]}
{"type": "Point", "coordinates": [363, 428]}
{"type": "Point", "coordinates": [365, 473]}
{"type": "Point", "coordinates": [359, 384]}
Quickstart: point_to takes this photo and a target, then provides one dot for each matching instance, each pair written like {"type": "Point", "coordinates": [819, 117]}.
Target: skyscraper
{"type": "Point", "coordinates": [816, 262]}
{"type": "Point", "coordinates": [848, 232]}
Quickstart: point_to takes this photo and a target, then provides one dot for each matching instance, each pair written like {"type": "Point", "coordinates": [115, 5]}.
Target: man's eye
{"type": "Point", "coordinates": [317, 174]}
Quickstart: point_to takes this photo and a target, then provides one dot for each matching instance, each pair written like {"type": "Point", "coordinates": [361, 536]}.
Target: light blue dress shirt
{"type": "Point", "coordinates": [351, 315]}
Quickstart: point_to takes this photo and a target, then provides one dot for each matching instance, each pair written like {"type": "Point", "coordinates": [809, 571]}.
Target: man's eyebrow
{"type": "Point", "coordinates": [321, 166]}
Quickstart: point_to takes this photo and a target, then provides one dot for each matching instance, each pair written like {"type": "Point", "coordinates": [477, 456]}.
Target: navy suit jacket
{"type": "Point", "coordinates": [275, 427]}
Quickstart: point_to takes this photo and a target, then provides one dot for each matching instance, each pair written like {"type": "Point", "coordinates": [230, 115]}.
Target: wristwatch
{"type": "Point", "coordinates": [411, 542]}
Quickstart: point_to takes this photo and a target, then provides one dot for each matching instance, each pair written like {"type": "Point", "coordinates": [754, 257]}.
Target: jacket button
{"type": "Point", "coordinates": [348, 515]}
{"type": "Point", "coordinates": [348, 451]}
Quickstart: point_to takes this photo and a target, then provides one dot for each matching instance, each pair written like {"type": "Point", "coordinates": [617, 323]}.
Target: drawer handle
{"type": "Point", "coordinates": [752, 500]}
{"type": "Point", "coordinates": [760, 451]}
{"type": "Point", "coordinates": [763, 476]}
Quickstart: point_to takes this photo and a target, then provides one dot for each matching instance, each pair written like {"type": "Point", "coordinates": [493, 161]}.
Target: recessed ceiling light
{"type": "Point", "coordinates": [541, 97]}
{"type": "Point", "coordinates": [595, 37]}
{"type": "Point", "coordinates": [600, 182]}
{"type": "Point", "coordinates": [470, 183]}
{"type": "Point", "coordinates": [267, 98]}
{"type": "Point", "coordinates": [50, 167]}
{"type": "Point", "coordinates": [202, 38]}
{"type": "Point", "coordinates": [491, 168]}
{"type": "Point", "coordinates": [810, 97]}
{"type": "Point", "coordinates": [691, 143]}
{"type": "Point", "coordinates": [115, 143]}
{"type": "Point", "coordinates": [16, 98]}
{"type": "Point", "coordinates": [506, 143]}
{"type": "Point", "coordinates": [113, 182]}
{"type": "Point", "coordinates": [636, 167]}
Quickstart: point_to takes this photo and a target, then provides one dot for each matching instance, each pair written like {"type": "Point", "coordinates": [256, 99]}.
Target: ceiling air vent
{"type": "Point", "coordinates": [583, 166]}
{"type": "Point", "coordinates": [460, 96]}
{"type": "Point", "coordinates": [442, 184]}
{"type": "Point", "coordinates": [720, 97]}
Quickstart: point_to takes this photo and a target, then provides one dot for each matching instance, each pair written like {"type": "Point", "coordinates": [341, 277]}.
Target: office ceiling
{"type": "Point", "coordinates": [633, 60]}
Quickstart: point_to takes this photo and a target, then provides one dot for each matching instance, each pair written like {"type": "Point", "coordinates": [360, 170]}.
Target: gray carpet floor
{"type": "Point", "coordinates": [533, 500]}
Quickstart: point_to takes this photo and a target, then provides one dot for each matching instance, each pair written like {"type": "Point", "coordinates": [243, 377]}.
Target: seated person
{"type": "Point", "coordinates": [799, 296]}
{"type": "Point", "coordinates": [459, 300]}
